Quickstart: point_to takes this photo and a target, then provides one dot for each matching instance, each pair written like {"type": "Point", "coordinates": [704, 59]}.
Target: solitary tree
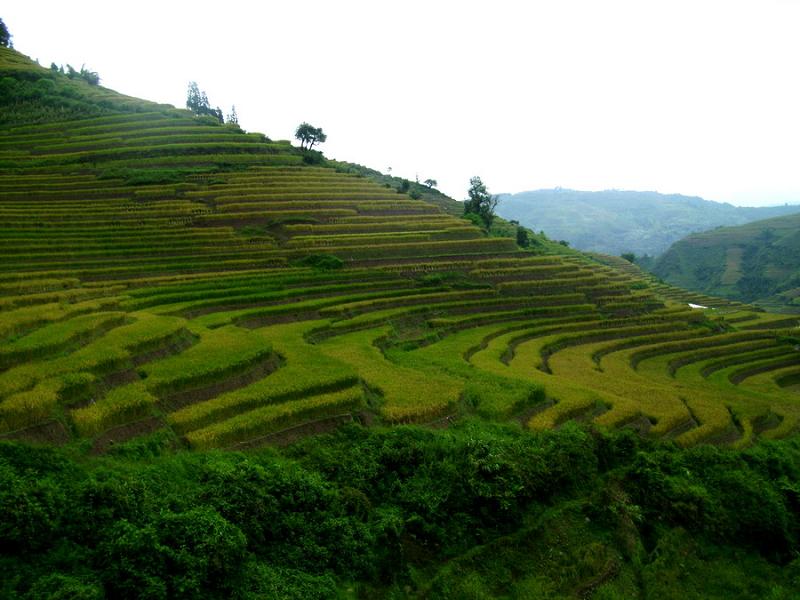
{"type": "Point", "coordinates": [309, 135]}
{"type": "Point", "coordinates": [5, 37]}
{"type": "Point", "coordinates": [431, 183]}
{"type": "Point", "coordinates": [480, 201]}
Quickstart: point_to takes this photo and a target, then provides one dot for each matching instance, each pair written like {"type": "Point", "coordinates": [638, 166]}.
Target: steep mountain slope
{"type": "Point", "coordinates": [758, 262]}
{"type": "Point", "coordinates": [170, 283]}
{"type": "Point", "coordinates": [165, 272]}
{"type": "Point", "coordinates": [614, 221]}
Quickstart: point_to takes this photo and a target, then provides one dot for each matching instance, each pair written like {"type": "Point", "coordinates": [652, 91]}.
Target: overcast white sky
{"type": "Point", "coordinates": [698, 97]}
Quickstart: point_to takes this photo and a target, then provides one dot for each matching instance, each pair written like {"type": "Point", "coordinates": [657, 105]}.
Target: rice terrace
{"type": "Point", "coordinates": [280, 375]}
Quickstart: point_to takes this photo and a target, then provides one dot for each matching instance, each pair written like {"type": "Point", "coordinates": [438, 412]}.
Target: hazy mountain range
{"type": "Point", "coordinates": [615, 221]}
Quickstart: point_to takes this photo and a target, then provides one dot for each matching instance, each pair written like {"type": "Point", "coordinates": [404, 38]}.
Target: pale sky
{"type": "Point", "coordinates": [698, 97]}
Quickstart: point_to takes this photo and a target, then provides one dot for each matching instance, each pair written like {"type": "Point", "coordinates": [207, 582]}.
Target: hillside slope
{"type": "Point", "coordinates": [614, 221]}
{"type": "Point", "coordinates": [169, 273]}
{"type": "Point", "coordinates": [172, 284]}
{"type": "Point", "coordinates": [758, 262]}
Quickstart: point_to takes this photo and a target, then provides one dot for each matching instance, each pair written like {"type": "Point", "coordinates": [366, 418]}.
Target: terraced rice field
{"type": "Point", "coordinates": [160, 271]}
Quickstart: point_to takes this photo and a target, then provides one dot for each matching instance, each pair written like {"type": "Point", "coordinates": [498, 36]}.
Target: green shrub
{"type": "Point", "coordinates": [63, 587]}
{"type": "Point", "coordinates": [324, 262]}
{"type": "Point", "coordinates": [192, 554]}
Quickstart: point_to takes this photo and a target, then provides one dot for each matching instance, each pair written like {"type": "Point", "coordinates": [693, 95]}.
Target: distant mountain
{"type": "Point", "coordinates": [615, 221]}
{"type": "Point", "coordinates": [758, 262]}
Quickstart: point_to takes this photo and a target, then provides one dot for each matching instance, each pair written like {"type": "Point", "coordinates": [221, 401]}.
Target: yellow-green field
{"type": "Point", "coordinates": [159, 268]}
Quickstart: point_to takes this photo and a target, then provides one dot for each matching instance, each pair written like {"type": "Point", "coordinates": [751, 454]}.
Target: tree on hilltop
{"type": "Point", "coordinates": [431, 183]}
{"type": "Point", "coordinates": [91, 77]}
{"type": "Point", "coordinates": [309, 135]}
{"type": "Point", "coordinates": [5, 36]}
{"type": "Point", "coordinates": [197, 102]}
{"type": "Point", "coordinates": [480, 201]}
{"type": "Point", "coordinates": [233, 118]}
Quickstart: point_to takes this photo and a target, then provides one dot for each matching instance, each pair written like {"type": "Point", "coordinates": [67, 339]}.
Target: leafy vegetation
{"type": "Point", "coordinates": [5, 36]}
{"type": "Point", "coordinates": [477, 511]}
{"type": "Point", "coordinates": [308, 135]}
{"type": "Point", "coordinates": [197, 102]}
{"type": "Point", "coordinates": [480, 202]}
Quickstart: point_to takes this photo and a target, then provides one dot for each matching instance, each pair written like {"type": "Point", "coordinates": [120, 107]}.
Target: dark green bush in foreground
{"type": "Point", "coordinates": [476, 511]}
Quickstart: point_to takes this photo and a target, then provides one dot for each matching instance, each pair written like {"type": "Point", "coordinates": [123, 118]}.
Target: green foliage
{"type": "Point", "coordinates": [5, 36]}
{"type": "Point", "coordinates": [523, 239]}
{"type": "Point", "coordinates": [484, 510]}
{"type": "Point", "coordinates": [313, 157]}
{"type": "Point", "coordinates": [756, 262]}
{"type": "Point", "coordinates": [64, 587]}
{"type": "Point", "coordinates": [89, 76]}
{"type": "Point", "coordinates": [324, 262]}
{"type": "Point", "coordinates": [197, 102]}
{"type": "Point", "coordinates": [475, 219]}
{"type": "Point", "coordinates": [188, 554]}
{"type": "Point", "coordinates": [480, 202]}
{"type": "Point", "coordinates": [308, 135]}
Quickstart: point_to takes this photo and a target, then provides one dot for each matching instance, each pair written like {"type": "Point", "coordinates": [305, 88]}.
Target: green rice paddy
{"type": "Point", "coordinates": [163, 271]}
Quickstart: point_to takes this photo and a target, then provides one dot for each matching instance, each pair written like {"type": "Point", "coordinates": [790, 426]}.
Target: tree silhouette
{"type": "Point", "coordinates": [197, 102]}
{"type": "Point", "coordinates": [5, 36]}
{"type": "Point", "coordinates": [309, 135]}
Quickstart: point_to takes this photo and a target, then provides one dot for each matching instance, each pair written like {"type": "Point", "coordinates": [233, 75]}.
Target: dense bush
{"type": "Point", "coordinates": [373, 505]}
{"type": "Point", "coordinates": [325, 262]}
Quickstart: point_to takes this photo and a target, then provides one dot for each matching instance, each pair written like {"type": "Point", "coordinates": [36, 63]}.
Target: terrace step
{"type": "Point", "coordinates": [50, 432]}
{"type": "Point", "coordinates": [184, 398]}
{"type": "Point", "coordinates": [290, 435]}
{"type": "Point", "coordinates": [123, 433]}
